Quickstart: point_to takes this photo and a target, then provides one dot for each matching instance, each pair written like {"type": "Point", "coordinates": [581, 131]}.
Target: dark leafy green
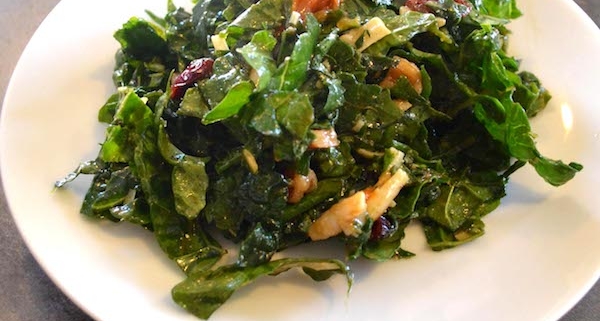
{"type": "Point", "coordinates": [203, 293]}
{"type": "Point", "coordinates": [295, 117]}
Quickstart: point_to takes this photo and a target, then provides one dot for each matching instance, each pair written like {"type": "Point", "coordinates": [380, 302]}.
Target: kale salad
{"type": "Point", "coordinates": [267, 124]}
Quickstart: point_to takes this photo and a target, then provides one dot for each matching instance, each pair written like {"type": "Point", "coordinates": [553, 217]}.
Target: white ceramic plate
{"type": "Point", "coordinates": [539, 256]}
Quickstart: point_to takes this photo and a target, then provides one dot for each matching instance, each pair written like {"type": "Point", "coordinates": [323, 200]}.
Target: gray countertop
{"type": "Point", "coordinates": [27, 293]}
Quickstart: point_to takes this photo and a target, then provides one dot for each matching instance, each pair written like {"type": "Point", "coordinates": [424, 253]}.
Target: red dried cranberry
{"type": "Point", "coordinates": [197, 69]}
{"type": "Point", "coordinates": [418, 5]}
{"type": "Point", "coordinates": [382, 228]}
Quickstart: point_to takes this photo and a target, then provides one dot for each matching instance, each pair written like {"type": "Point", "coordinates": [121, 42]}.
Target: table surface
{"type": "Point", "coordinates": [28, 294]}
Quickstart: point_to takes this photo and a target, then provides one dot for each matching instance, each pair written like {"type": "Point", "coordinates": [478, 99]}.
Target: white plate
{"type": "Point", "coordinates": [539, 256]}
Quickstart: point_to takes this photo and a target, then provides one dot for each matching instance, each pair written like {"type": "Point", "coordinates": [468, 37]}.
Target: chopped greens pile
{"type": "Point", "coordinates": [276, 122]}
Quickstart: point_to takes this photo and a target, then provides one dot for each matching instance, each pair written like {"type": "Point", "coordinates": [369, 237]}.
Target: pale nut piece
{"type": "Point", "coordinates": [340, 217]}
{"type": "Point", "coordinates": [324, 138]}
{"type": "Point", "coordinates": [301, 185]}
{"type": "Point", "coordinates": [382, 197]}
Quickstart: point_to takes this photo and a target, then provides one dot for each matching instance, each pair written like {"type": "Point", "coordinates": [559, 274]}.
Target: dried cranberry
{"type": "Point", "coordinates": [197, 69]}
{"type": "Point", "coordinates": [418, 5]}
{"type": "Point", "coordinates": [382, 228]}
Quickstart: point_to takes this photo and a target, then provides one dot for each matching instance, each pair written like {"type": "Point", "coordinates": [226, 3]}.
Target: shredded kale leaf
{"type": "Point", "coordinates": [347, 121]}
